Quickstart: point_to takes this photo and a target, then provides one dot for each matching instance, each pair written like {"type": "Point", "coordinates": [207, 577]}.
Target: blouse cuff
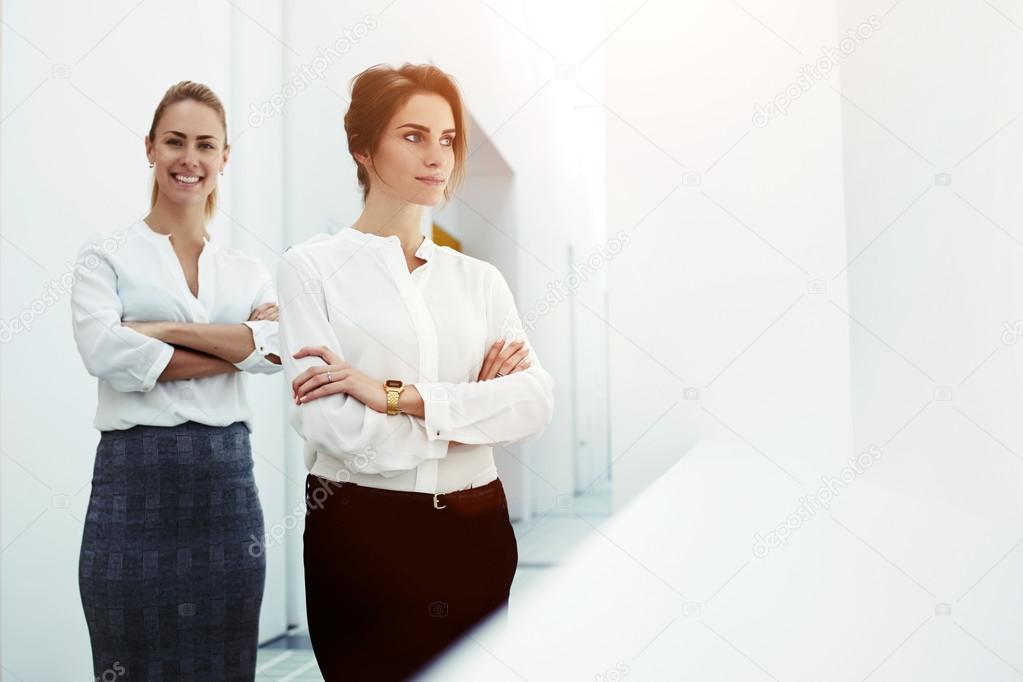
{"type": "Point", "coordinates": [264, 337]}
{"type": "Point", "coordinates": [437, 411]}
{"type": "Point", "coordinates": [156, 369]}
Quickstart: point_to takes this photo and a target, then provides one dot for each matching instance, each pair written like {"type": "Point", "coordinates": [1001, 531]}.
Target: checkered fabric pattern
{"type": "Point", "coordinates": [172, 568]}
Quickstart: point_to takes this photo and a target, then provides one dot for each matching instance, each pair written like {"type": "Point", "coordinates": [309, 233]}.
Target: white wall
{"type": "Point", "coordinates": [254, 222]}
{"type": "Point", "coordinates": [933, 180]}
{"type": "Point", "coordinates": [715, 332]}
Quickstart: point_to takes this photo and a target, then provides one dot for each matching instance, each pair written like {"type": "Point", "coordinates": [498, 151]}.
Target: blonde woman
{"type": "Point", "coordinates": [167, 320]}
{"type": "Point", "coordinates": [408, 365]}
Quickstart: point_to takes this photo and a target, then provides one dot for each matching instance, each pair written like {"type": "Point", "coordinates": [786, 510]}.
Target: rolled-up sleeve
{"type": "Point", "coordinates": [338, 425]}
{"type": "Point", "coordinates": [127, 359]}
{"type": "Point", "coordinates": [264, 332]}
{"type": "Point", "coordinates": [516, 408]}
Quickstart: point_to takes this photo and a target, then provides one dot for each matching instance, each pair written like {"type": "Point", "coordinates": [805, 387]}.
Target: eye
{"type": "Point", "coordinates": [446, 141]}
{"type": "Point", "coordinates": [174, 140]}
{"type": "Point", "coordinates": [207, 145]}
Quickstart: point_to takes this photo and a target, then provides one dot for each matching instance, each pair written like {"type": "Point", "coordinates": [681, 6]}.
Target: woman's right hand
{"type": "Point", "coordinates": [504, 358]}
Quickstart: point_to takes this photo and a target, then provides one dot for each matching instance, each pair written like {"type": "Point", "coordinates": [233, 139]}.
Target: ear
{"type": "Point", "coordinates": [361, 156]}
{"type": "Point", "coordinates": [227, 154]}
{"type": "Point", "coordinates": [149, 149]}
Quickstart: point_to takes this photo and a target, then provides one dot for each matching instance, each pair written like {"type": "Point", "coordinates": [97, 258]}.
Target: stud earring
{"type": "Point", "coordinates": [151, 165]}
{"type": "Point", "coordinates": [221, 172]}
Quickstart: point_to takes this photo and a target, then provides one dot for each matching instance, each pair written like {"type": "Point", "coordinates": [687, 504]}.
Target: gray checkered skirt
{"type": "Point", "coordinates": [170, 583]}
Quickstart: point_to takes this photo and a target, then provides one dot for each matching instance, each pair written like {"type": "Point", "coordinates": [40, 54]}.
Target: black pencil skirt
{"type": "Point", "coordinates": [169, 584]}
{"type": "Point", "coordinates": [393, 578]}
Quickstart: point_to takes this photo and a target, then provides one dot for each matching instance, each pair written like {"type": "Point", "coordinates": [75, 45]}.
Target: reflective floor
{"type": "Point", "coordinates": [543, 541]}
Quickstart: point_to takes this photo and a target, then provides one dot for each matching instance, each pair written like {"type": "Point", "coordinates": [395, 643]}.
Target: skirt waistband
{"type": "Point", "coordinates": [483, 498]}
{"type": "Point", "coordinates": [189, 427]}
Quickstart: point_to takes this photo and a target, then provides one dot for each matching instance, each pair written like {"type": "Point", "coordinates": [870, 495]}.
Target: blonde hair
{"type": "Point", "coordinates": [379, 91]}
{"type": "Point", "coordinates": [180, 92]}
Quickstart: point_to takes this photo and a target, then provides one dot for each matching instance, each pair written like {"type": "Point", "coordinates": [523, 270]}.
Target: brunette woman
{"type": "Point", "coordinates": [408, 365]}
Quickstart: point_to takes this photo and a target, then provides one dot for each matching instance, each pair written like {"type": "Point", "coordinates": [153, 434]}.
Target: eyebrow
{"type": "Point", "coordinates": [200, 137]}
{"type": "Point", "coordinates": [424, 128]}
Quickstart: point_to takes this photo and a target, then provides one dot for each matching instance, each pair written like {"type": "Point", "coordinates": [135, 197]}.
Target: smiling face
{"type": "Point", "coordinates": [189, 151]}
{"type": "Point", "coordinates": [414, 157]}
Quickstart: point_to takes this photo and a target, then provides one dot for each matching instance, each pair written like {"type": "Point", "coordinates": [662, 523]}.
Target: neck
{"type": "Point", "coordinates": [385, 216]}
{"type": "Point", "coordinates": [185, 224]}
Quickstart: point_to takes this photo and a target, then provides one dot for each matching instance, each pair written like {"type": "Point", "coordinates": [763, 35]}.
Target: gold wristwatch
{"type": "Point", "coordinates": [394, 387]}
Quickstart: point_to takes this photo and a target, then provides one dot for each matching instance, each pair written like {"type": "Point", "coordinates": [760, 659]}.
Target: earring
{"type": "Point", "coordinates": [151, 165]}
{"type": "Point", "coordinates": [221, 172]}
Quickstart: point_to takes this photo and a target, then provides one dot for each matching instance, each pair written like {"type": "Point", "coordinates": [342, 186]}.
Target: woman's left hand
{"type": "Point", "coordinates": [314, 383]}
{"type": "Point", "coordinates": [267, 311]}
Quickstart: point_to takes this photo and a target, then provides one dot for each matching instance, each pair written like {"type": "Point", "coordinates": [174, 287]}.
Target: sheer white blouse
{"type": "Point", "coordinates": [353, 293]}
{"type": "Point", "coordinates": [134, 275]}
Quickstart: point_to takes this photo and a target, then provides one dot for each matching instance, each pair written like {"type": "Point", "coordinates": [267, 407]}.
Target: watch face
{"type": "Point", "coordinates": [394, 383]}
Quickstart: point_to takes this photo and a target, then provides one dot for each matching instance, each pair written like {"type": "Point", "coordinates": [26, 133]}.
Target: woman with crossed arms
{"type": "Point", "coordinates": [167, 320]}
{"type": "Point", "coordinates": [408, 365]}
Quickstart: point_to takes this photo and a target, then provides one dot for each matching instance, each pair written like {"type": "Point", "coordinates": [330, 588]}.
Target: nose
{"type": "Point", "coordinates": [190, 157]}
{"type": "Point", "coordinates": [435, 156]}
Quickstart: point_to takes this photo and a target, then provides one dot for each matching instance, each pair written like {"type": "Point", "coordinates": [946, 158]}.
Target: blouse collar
{"type": "Point", "coordinates": [425, 251]}
{"type": "Point", "coordinates": [150, 233]}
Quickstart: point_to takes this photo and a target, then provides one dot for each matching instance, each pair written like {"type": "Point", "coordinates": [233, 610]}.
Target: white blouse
{"type": "Point", "coordinates": [134, 275]}
{"type": "Point", "coordinates": [353, 293]}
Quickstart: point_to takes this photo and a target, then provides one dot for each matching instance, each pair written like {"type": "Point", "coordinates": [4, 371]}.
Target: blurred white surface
{"type": "Point", "coordinates": [671, 588]}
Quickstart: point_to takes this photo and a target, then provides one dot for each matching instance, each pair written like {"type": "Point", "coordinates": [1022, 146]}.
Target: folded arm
{"type": "Point", "coordinates": [339, 424]}
{"type": "Point", "coordinates": [233, 343]}
{"type": "Point", "coordinates": [264, 358]}
{"type": "Point", "coordinates": [128, 360]}
{"type": "Point", "coordinates": [190, 364]}
{"type": "Point", "coordinates": [504, 410]}
{"type": "Point", "coordinates": [250, 346]}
